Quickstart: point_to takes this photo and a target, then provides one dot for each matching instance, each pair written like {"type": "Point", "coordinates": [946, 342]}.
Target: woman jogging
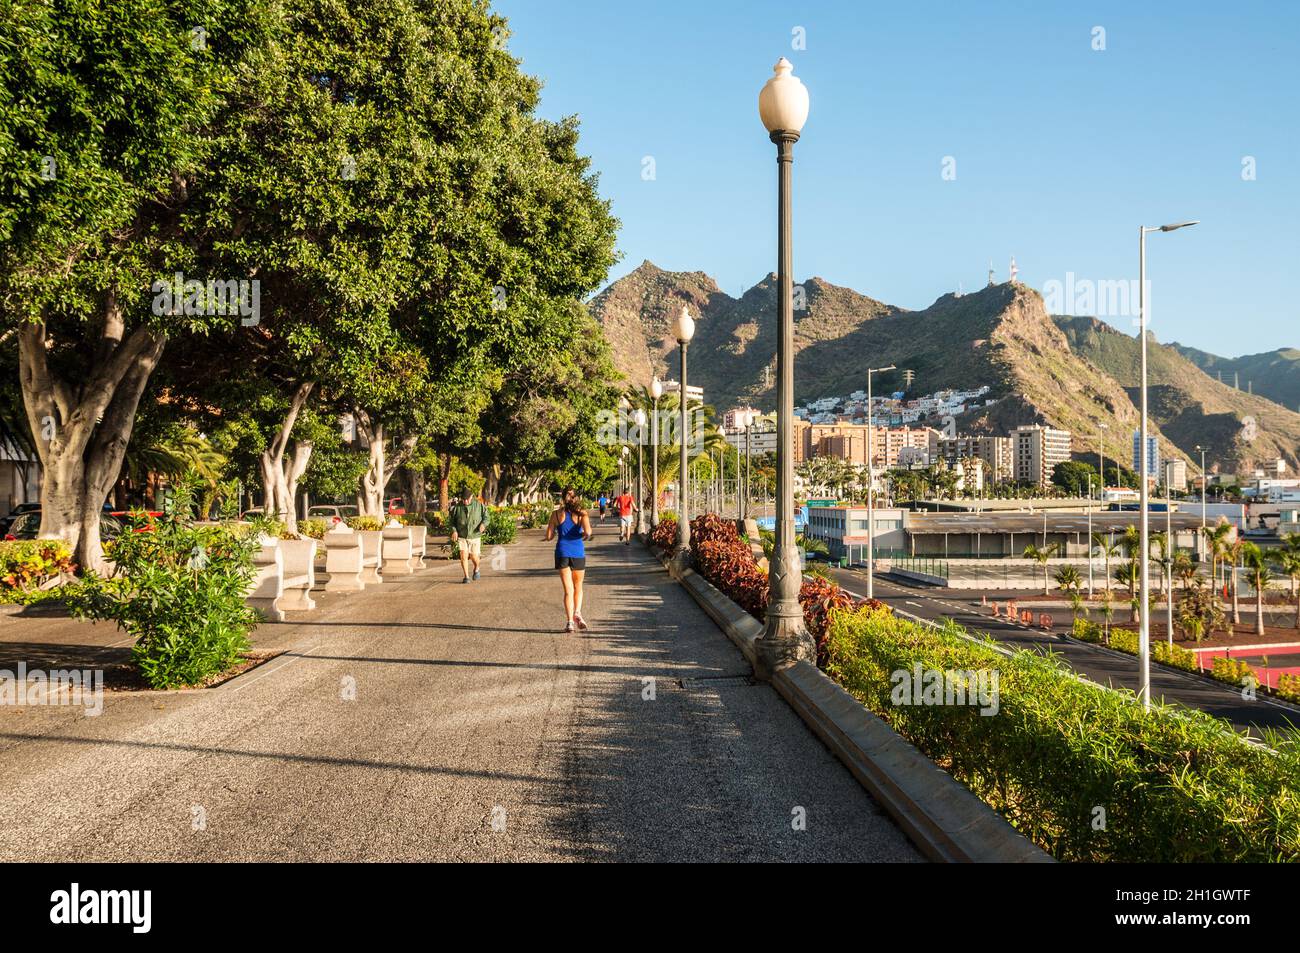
{"type": "Point", "coordinates": [570, 527]}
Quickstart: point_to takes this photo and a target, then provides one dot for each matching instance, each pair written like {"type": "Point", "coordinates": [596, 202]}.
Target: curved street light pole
{"type": "Point", "coordinates": [871, 487]}
{"type": "Point", "coordinates": [783, 107]}
{"type": "Point", "coordinates": [656, 391]}
{"type": "Point", "coordinates": [1144, 605]}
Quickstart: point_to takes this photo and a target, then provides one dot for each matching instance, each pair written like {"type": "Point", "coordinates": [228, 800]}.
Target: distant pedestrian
{"type": "Point", "coordinates": [570, 527]}
{"type": "Point", "coordinates": [468, 520]}
{"type": "Point", "coordinates": [603, 502]}
{"type": "Point", "coordinates": [625, 503]}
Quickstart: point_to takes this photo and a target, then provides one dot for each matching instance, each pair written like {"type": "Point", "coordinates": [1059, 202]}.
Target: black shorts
{"type": "Point", "coordinates": [572, 562]}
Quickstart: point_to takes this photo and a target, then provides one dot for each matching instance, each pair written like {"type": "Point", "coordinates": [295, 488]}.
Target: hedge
{"type": "Point", "coordinates": [1083, 771]}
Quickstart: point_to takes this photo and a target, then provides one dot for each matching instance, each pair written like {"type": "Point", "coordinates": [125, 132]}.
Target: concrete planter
{"type": "Point", "coordinates": [343, 560]}
{"type": "Point", "coordinates": [419, 540]}
{"type": "Point", "coordinates": [268, 583]}
{"type": "Point", "coordinates": [299, 556]}
{"type": "Point", "coordinates": [372, 541]}
{"type": "Point", "coordinates": [396, 549]}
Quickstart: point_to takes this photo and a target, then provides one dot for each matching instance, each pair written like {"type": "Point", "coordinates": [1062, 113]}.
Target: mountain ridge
{"type": "Point", "coordinates": [1040, 369]}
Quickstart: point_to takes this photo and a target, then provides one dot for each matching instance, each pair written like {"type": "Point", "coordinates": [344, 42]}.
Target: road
{"type": "Point", "coordinates": [425, 719]}
{"type": "Point", "coordinates": [1102, 665]}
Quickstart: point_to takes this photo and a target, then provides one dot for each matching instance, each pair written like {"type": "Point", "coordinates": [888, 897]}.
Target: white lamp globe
{"type": "Point", "coordinates": [639, 417]}
{"type": "Point", "coordinates": [683, 328]}
{"type": "Point", "coordinates": [656, 388]}
{"type": "Point", "coordinates": [783, 100]}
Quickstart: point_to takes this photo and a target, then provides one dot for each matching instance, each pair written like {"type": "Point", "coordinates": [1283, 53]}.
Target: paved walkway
{"type": "Point", "coordinates": [470, 706]}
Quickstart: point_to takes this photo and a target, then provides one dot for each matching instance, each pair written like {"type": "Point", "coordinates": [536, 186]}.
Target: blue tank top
{"type": "Point", "coordinates": [568, 538]}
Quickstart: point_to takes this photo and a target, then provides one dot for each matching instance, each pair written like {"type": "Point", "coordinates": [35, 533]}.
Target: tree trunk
{"type": "Point", "coordinates": [382, 465]}
{"type": "Point", "coordinates": [282, 468]}
{"type": "Point", "coordinates": [1236, 603]}
{"type": "Point", "coordinates": [82, 424]}
{"type": "Point", "coordinates": [444, 476]}
{"type": "Point", "coordinates": [1259, 610]}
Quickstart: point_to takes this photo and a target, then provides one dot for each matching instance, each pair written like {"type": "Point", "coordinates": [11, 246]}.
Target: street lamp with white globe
{"type": "Point", "coordinates": [783, 108]}
{"type": "Point", "coordinates": [656, 391]}
{"type": "Point", "coordinates": [639, 419]}
{"type": "Point", "coordinates": [683, 329]}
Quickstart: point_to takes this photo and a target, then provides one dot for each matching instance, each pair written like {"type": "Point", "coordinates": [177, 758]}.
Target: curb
{"type": "Point", "coordinates": [941, 816]}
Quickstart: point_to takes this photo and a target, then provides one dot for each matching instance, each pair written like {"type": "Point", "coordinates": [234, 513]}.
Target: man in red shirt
{"type": "Point", "coordinates": [626, 507]}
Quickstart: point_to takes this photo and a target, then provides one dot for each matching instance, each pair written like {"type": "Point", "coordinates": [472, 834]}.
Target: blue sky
{"type": "Point", "coordinates": [1060, 150]}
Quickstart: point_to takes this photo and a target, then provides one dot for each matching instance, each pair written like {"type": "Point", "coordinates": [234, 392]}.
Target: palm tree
{"type": "Point", "coordinates": [1068, 579]}
{"type": "Point", "coordinates": [1235, 552]}
{"type": "Point", "coordinates": [1287, 558]}
{"type": "Point", "coordinates": [1042, 554]}
{"type": "Point", "coordinates": [1106, 543]}
{"type": "Point", "coordinates": [1107, 612]}
{"type": "Point", "coordinates": [1258, 575]}
{"type": "Point", "coordinates": [1184, 568]}
{"type": "Point", "coordinates": [1216, 542]}
{"type": "Point", "coordinates": [1127, 574]}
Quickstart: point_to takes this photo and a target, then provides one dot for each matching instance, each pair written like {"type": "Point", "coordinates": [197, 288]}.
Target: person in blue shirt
{"type": "Point", "coordinates": [603, 502]}
{"type": "Point", "coordinates": [570, 527]}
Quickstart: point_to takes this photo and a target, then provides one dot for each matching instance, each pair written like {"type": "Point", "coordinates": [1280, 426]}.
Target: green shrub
{"type": "Point", "coordinates": [1176, 784]}
{"type": "Point", "coordinates": [178, 590]}
{"type": "Point", "coordinates": [501, 527]}
{"type": "Point", "coordinates": [1086, 630]}
{"type": "Point", "coordinates": [1231, 670]}
{"type": "Point", "coordinates": [1174, 655]}
{"type": "Point", "coordinates": [537, 515]}
{"type": "Point", "coordinates": [1126, 640]}
{"type": "Point", "coordinates": [1288, 686]}
{"type": "Point", "coordinates": [365, 523]}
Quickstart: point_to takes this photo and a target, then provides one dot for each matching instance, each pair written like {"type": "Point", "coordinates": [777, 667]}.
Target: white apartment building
{"type": "Point", "coordinates": [1037, 451]}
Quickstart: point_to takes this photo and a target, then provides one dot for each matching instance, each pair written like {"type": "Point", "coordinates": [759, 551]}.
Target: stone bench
{"type": "Point", "coordinates": [343, 560]}
{"type": "Point", "coordinates": [396, 548]}
{"type": "Point", "coordinates": [299, 560]}
{"type": "Point", "coordinates": [268, 580]}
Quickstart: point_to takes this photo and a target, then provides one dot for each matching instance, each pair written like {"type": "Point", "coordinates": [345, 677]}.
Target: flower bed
{"type": "Point", "coordinates": [725, 560]}
{"type": "Point", "coordinates": [26, 565]}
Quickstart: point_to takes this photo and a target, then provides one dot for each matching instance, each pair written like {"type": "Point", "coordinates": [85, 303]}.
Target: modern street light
{"type": "Point", "coordinates": [639, 419]}
{"type": "Point", "coordinates": [783, 107]}
{"type": "Point", "coordinates": [1089, 537]}
{"type": "Point", "coordinates": [1101, 459]}
{"type": "Point", "coordinates": [1204, 481]}
{"type": "Point", "coordinates": [749, 463]}
{"type": "Point", "coordinates": [1170, 549]}
{"type": "Point", "coordinates": [871, 486]}
{"type": "Point", "coordinates": [656, 391]}
{"type": "Point", "coordinates": [683, 329]}
{"type": "Point", "coordinates": [1144, 608]}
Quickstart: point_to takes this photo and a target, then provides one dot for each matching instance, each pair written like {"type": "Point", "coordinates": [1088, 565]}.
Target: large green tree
{"type": "Point", "coordinates": [109, 109]}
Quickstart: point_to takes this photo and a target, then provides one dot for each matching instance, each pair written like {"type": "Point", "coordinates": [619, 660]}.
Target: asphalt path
{"type": "Point", "coordinates": [425, 719]}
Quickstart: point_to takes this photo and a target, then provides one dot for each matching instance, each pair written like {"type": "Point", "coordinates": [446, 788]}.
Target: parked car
{"type": "Point", "coordinates": [252, 513]}
{"type": "Point", "coordinates": [8, 520]}
{"type": "Point", "coordinates": [333, 514]}
{"type": "Point", "coordinates": [396, 506]}
{"type": "Point", "coordinates": [28, 526]}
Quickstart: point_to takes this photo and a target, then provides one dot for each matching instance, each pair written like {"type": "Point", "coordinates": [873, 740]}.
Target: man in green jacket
{"type": "Point", "coordinates": [468, 520]}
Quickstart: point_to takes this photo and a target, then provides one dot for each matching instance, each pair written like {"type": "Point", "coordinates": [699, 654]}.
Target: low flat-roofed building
{"type": "Point", "coordinates": [844, 529]}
